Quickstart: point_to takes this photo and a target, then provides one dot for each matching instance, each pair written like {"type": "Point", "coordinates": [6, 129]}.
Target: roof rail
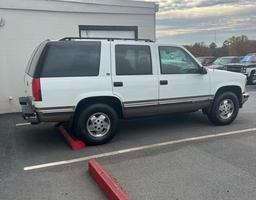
{"type": "Point", "coordinates": [98, 38]}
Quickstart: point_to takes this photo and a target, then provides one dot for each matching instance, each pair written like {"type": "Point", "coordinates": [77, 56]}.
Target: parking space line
{"type": "Point", "coordinates": [140, 148]}
{"type": "Point", "coordinates": [23, 124]}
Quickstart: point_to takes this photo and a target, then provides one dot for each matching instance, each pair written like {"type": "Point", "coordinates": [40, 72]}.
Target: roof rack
{"type": "Point", "coordinates": [98, 38]}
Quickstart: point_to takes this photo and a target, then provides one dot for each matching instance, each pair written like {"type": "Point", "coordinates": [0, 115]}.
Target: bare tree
{"type": "Point", "coordinates": [234, 46]}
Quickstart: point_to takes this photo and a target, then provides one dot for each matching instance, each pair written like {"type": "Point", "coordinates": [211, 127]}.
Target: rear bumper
{"type": "Point", "coordinates": [37, 115]}
{"type": "Point", "coordinates": [245, 97]}
{"type": "Point", "coordinates": [28, 111]}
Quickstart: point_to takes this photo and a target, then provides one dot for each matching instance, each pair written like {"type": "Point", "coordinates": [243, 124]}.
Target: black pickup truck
{"type": "Point", "coordinates": [247, 66]}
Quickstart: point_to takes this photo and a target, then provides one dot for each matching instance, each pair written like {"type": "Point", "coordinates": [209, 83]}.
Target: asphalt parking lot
{"type": "Point", "coordinates": [212, 168]}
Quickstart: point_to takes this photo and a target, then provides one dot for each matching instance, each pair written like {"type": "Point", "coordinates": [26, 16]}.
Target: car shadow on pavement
{"type": "Point", "coordinates": [169, 122]}
{"type": "Point", "coordinates": [45, 138]}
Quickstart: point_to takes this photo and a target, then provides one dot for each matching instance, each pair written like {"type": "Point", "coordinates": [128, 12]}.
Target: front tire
{"type": "Point", "coordinates": [252, 78]}
{"type": "Point", "coordinates": [225, 109]}
{"type": "Point", "coordinates": [96, 124]}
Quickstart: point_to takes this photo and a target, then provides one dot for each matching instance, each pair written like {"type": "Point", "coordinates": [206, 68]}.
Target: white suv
{"type": "Point", "coordinates": [91, 83]}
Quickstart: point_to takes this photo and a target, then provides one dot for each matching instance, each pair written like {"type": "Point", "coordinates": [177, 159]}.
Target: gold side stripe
{"type": "Point", "coordinates": [168, 101]}
{"type": "Point", "coordinates": [56, 110]}
{"type": "Point", "coordinates": [128, 105]}
{"type": "Point", "coordinates": [135, 104]}
{"type": "Point", "coordinates": [185, 100]}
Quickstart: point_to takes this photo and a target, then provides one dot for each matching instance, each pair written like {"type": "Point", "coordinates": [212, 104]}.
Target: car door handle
{"type": "Point", "coordinates": [163, 82]}
{"type": "Point", "coordinates": [118, 84]}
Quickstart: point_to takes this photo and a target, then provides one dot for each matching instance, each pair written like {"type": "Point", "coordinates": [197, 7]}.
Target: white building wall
{"type": "Point", "coordinates": [27, 25]}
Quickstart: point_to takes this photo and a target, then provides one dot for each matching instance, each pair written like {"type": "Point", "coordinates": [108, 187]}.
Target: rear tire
{"type": "Point", "coordinates": [96, 124]}
{"type": "Point", "coordinates": [225, 109]}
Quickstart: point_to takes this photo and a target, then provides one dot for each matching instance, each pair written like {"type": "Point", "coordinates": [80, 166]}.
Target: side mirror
{"type": "Point", "coordinates": [202, 70]}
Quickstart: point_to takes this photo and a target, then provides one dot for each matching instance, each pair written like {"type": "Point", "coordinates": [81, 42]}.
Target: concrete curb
{"type": "Point", "coordinates": [73, 142]}
{"type": "Point", "coordinates": [109, 186]}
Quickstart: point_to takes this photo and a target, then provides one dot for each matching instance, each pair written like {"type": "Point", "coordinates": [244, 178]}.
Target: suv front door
{"type": "Point", "coordinates": [182, 86]}
{"type": "Point", "coordinates": [135, 78]}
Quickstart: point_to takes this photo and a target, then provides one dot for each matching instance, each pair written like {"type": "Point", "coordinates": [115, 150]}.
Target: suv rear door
{"type": "Point", "coordinates": [134, 77]}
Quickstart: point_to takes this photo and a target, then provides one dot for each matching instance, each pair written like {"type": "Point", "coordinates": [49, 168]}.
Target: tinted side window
{"type": "Point", "coordinates": [133, 60]}
{"type": "Point", "coordinates": [71, 58]}
{"type": "Point", "coordinates": [175, 60]}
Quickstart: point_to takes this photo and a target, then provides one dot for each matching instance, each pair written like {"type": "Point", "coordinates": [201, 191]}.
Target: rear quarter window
{"type": "Point", "coordinates": [71, 58]}
{"type": "Point", "coordinates": [34, 59]}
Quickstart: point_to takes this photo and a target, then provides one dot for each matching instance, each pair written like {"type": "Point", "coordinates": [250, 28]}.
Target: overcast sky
{"type": "Point", "coordinates": [190, 21]}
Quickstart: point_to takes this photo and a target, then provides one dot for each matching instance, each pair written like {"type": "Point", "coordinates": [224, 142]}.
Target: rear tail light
{"type": "Point", "coordinates": [36, 89]}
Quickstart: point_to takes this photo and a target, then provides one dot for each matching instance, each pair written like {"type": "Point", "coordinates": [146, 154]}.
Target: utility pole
{"type": "Point", "coordinates": [215, 37]}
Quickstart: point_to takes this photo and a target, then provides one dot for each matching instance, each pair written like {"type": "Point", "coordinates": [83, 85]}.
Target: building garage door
{"type": "Point", "coordinates": [130, 32]}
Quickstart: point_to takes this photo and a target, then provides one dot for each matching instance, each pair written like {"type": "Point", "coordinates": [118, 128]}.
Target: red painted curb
{"type": "Point", "coordinates": [74, 143]}
{"type": "Point", "coordinates": [109, 186]}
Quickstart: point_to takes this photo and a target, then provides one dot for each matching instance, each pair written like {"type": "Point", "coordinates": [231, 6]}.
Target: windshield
{"type": "Point", "coordinates": [249, 59]}
{"type": "Point", "coordinates": [223, 61]}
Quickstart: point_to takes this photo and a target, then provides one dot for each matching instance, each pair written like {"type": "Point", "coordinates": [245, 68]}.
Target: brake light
{"type": "Point", "coordinates": [36, 89]}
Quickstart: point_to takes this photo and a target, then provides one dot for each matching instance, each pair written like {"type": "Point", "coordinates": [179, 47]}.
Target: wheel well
{"type": "Point", "coordinates": [114, 102]}
{"type": "Point", "coordinates": [235, 89]}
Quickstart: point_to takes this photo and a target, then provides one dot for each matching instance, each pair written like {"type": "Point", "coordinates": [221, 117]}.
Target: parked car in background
{"type": "Point", "coordinates": [206, 61]}
{"type": "Point", "coordinates": [221, 62]}
{"type": "Point", "coordinates": [247, 66]}
{"type": "Point", "coordinates": [241, 58]}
